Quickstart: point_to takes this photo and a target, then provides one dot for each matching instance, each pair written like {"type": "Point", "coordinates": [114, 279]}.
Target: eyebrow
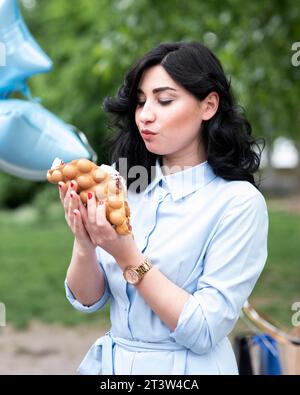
{"type": "Point", "coordinates": [156, 90]}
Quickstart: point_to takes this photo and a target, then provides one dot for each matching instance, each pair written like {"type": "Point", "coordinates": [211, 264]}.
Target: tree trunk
{"type": "Point", "coordinates": [269, 173]}
{"type": "Point", "coordinates": [297, 143]}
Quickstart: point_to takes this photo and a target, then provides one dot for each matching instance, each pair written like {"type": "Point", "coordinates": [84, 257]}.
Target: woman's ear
{"type": "Point", "coordinates": [210, 106]}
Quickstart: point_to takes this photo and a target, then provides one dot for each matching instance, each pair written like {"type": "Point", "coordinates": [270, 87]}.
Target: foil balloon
{"type": "Point", "coordinates": [31, 137]}
{"type": "Point", "coordinates": [21, 57]}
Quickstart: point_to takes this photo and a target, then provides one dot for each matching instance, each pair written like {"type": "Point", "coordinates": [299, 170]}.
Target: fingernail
{"type": "Point", "coordinates": [72, 184]}
{"type": "Point", "coordinates": [90, 195]}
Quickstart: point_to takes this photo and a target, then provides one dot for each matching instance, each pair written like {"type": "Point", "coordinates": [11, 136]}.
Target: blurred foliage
{"type": "Point", "coordinates": [15, 191]}
{"type": "Point", "coordinates": [47, 195]}
{"type": "Point", "coordinates": [34, 254]}
{"type": "Point", "coordinates": [93, 42]}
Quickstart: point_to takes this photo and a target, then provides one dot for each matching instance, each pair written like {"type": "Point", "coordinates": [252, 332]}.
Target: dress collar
{"type": "Point", "coordinates": [182, 183]}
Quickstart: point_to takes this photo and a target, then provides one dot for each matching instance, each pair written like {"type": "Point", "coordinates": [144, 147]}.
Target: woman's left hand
{"type": "Point", "coordinates": [122, 247]}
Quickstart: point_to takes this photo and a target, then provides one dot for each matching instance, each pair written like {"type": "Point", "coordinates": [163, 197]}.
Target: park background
{"type": "Point", "coordinates": [92, 43]}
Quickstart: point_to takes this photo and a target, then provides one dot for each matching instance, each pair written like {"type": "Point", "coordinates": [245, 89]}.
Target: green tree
{"type": "Point", "coordinates": [93, 42]}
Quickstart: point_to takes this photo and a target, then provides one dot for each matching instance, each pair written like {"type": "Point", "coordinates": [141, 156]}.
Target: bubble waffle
{"type": "Point", "coordinates": [106, 183]}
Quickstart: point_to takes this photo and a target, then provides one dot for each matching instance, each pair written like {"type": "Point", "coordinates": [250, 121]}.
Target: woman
{"type": "Point", "coordinates": [199, 222]}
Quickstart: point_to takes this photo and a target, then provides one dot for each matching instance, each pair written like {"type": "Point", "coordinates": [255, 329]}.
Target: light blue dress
{"type": "Point", "coordinates": [208, 236]}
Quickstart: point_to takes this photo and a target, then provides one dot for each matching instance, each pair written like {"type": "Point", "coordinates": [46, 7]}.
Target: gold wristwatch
{"type": "Point", "coordinates": [134, 274]}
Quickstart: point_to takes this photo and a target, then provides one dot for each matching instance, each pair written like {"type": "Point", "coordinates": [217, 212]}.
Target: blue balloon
{"type": "Point", "coordinates": [20, 54]}
{"type": "Point", "coordinates": [31, 137]}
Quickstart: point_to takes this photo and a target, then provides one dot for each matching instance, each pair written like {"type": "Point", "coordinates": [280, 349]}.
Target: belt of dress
{"type": "Point", "coordinates": [99, 358]}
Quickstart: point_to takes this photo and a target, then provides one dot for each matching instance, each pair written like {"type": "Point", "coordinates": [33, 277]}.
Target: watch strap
{"type": "Point", "coordinates": [140, 270]}
{"type": "Point", "coordinates": [143, 268]}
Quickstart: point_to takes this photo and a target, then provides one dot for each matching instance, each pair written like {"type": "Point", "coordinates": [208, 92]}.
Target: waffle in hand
{"type": "Point", "coordinates": [104, 181]}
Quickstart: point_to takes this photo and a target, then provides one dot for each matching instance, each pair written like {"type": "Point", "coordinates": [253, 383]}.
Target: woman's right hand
{"type": "Point", "coordinates": [75, 214]}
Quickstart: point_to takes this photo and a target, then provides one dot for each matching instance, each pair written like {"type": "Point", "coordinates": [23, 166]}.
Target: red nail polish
{"type": "Point", "coordinates": [72, 184]}
{"type": "Point", "coordinates": [90, 195]}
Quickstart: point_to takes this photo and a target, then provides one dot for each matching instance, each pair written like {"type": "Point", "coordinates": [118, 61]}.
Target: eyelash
{"type": "Point", "coordinates": [163, 103]}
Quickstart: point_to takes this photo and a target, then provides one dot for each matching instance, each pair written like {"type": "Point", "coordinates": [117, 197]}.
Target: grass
{"type": "Point", "coordinates": [35, 250]}
{"type": "Point", "coordinates": [279, 285]}
{"type": "Point", "coordinates": [34, 255]}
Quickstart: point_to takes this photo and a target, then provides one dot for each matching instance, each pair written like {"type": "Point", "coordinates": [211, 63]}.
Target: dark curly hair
{"type": "Point", "coordinates": [231, 150]}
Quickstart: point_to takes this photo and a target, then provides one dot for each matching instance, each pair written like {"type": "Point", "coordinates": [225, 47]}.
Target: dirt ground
{"type": "Point", "coordinates": [290, 204]}
{"type": "Point", "coordinates": [45, 349]}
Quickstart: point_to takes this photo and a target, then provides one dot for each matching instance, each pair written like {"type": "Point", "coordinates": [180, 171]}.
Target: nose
{"type": "Point", "coordinates": [147, 114]}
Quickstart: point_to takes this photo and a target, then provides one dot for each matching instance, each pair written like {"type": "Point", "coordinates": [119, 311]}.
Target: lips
{"type": "Point", "coordinates": [148, 132]}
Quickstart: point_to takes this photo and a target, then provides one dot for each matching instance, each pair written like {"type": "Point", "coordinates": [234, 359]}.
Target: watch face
{"type": "Point", "coordinates": [131, 276]}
